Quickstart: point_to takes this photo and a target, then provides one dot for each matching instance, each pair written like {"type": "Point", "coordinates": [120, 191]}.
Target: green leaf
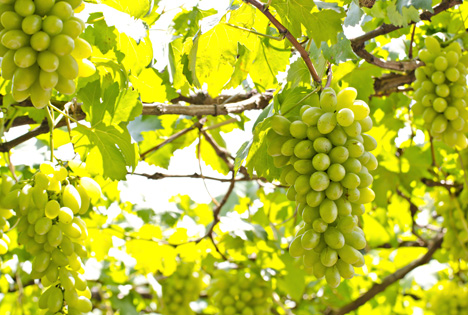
{"type": "Point", "coordinates": [298, 74]}
{"type": "Point", "coordinates": [339, 52]}
{"type": "Point", "coordinates": [213, 57]}
{"type": "Point", "coordinates": [354, 15]}
{"type": "Point", "coordinates": [418, 4]}
{"type": "Point", "coordinates": [269, 61]}
{"type": "Point", "coordinates": [138, 55]}
{"type": "Point", "coordinates": [116, 106]}
{"type": "Point", "coordinates": [324, 26]}
{"type": "Point", "coordinates": [152, 87]}
{"type": "Point", "coordinates": [106, 149]}
{"type": "Point", "coordinates": [293, 13]}
{"type": "Point", "coordinates": [100, 34]}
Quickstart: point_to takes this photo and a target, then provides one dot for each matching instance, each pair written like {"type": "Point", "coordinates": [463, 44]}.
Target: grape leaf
{"type": "Point", "coordinates": [293, 13]}
{"type": "Point", "coordinates": [135, 8]}
{"type": "Point", "coordinates": [324, 26]}
{"type": "Point", "coordinates": [339, 52]}
{"type": "Point", "coordinates": [100, 34]}
{"type": "Point", "coordinates": [354, 15]}
{"type": "Point", "coordinates": [418, 4]}
{"type": "Point", "coordinates": [106, 149]}
{"type": "Point", "coordinates": [115, 107]}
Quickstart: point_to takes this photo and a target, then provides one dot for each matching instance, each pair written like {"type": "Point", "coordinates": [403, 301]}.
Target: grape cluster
{"type": "Point", "coordinates": [235, 292]}
{"type": "Point", "coordinates": [441, 92]}
{"type": "Point", "coordinates": [448, 298]}
{"type": "Point", "coordinates": [456, 222]}
{"type": "Point", "coordinates": [41, 48]}
{"type": "Point", "coordinates": [325, 160]}
{"type": "Point", "coordinates": [7, 202]}
{"type": "Point", "coordinates": [52, 231]}
{"type": "Point", "coordinates": [180, 289]}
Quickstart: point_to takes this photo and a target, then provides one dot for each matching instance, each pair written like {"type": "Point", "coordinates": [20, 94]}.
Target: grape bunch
{"type": "Point", "coordinates": [50, 228]}
{"type": "Point", "coordinates": [441, 92]}
{"type": "Point", "coordinates": [325, 159]}
{"type": "Point", "coordinates": [235, 292]}
{"type": "Point", "coordinates": [180, 289]}
{"type": "Point", "coordinates": [7, 202]}
{"type": "Point", "coordinates": [448, 297]}
{"type": "Point", "coordinates": [456, 222]}
{"type": "Point", "coordinates": [41, 49]}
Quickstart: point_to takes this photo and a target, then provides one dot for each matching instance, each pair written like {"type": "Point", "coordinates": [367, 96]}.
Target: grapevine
{"type": "Point", "coordinates": [325, 160]}
{"type": "Point", "coordinates": [179, 289]}
{"type": "Point", "coordinates": [440, 92]}
{"type": "Point", "coordinates": [239, 292]}
{"type": "Point", "coordinates": [41, 49]}
{"type": "Point", "coordinates": [51, 230]}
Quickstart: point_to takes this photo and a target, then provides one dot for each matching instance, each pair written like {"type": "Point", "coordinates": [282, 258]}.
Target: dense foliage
{"type": "Point", "coordinates": [213, 157]}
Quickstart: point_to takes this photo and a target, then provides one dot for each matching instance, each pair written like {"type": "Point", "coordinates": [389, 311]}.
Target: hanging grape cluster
{"type": "Point", "coordinates": [448, 297]}
{"type": "Point", "coordinates": [180, 289]}
{"type": "Point", "coordinates": [7, 202]}
{"type": "Point", "coordinates": [325, 159]}
{"type": "Point", "coordinates": [441, 92]}
{"type": "Point", "coordinates": [235, 292]}
{"type": "Point", "coordinates": [41, 48]}
{"type": "Point", "coordinates": [50, 228]}
{"type": "Point", "coordinates": [456, 222]}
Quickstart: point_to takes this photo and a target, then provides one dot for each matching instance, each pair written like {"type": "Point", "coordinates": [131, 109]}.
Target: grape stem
{"type": "Point", "coordinates": [254, 32]}
{"type": "Point", "coordinates": [51, 133]}
{"type": "Point", "coordinates": [264, 8]}
{"type": "Point", "coordinates": [329, 76]}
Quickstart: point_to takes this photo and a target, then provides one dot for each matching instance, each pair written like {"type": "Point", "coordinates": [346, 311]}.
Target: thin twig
{"type": "Point", "coordinates": [158, 176]}
{"type": "Point", "coordinates": [196, 125]}
{"type": "Point", "coordinates": [254, 32]}
{"type": "Point", "coordinates": [329, 76]}
{"type": "Point", "coordinates": [285, 32]}
{"type": "Point", "coordinates": [410, 49]}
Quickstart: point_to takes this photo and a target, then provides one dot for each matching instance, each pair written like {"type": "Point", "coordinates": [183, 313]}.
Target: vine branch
{"type": "Point", "coordinates": [285, 32]}
{"type": "Point", "coordinates": [387, 281]}
{"type": "Point", "coordinates": [358, 43]}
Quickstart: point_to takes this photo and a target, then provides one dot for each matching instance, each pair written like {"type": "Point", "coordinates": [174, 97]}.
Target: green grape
{"type": "Point", "coordinates": [304, 149]}
{"type": "Point", "coordinates": [295, 248]}
{"type": "Point", "coordinates": [339, 155]}
{"type": "Point", "coordinates": [345, 117]}
{"type": "Point", "coordinates": [301, 184]}
{"type": "Point", "coordinates": [334, 191]}
{"type": "Point", "coordinates": [441, 63]}
{"type": "Point", "coordinates": [62, 10]}
{"type": "Point", "coordinates": [41, 262]}
{"type": "Point", "coordinates": [452, 74]}
{"type": "Point", "coordinates": [432, 44]}
{"type": "Point", "coordinates": [43, 226]}
{"type": "Point", "coordinates": [15, 39]}
{"type": "Point", "coordinates": [442, 90]}
{"type": "Point", "coordinates": [319, 181]}
{"type": "Point", "coordinates": [332, 276]}
{"type": "Point", "coordinates": [68, 68]}
{"type": "Point", "coordinates": [287, 149]}
{"type": "Point", "coordinates": [336, 172]}
{"type": "Point", "coordinates": [40, 41]}
{"type": "Point", "coordinates": [39, 97]}
{"type": "Point", "coordinates": [310, 239]}
{"type": "Point", "coordinates": [73, 29]}
{"type": "Point", "coordinates": [31, 24]}
{"type": "Point", "coordinates": [280, 125]}
{"type": "Point", "coordinates": [346, 97]}
{"type": "Point", "coordinates": [319, 270]}
{"type": "Point", "coordinates": [24, 78]}
{"type": "Point", "coordinates": [313, 133]}
{"type": "Point", "coordinates": [355, 148]}
{"type": "Point", "coordinates": [322, 145]}
{"type": "Point", "coordinates": [298, 129]}
{"type": "Point", "coordinates": [328, 211]}
{"type": "Point", "coordinates": [319, 225]}
{"type": "Point", "coordinates": [360, 109]}
{"type": "Point", "coordinates": [338, 136]}
{"type": "Point", "coordinates": [346, 270]}
{"type": "Point", "coordinates": [55, 300]}
{"type": "Point", "coordinates": [326, 123]}
{"type": "Point", "coordinates": [328, 100]}
{"type": "Point", "coordinates": [321, 162]}
{"type": "Point", "coordinates": [328, 257]}
{"type": "Point", "coordinates": [11, 20]}
{"type": "Point", "coordinates": [312, 115]}
{"type": "Point", "coordinates": [52, 25]}
{"type": "Point", "coordinates": [48, 80]}
{"type": "Point", "coordinates": [353, 130]}
{"type": "Point", "coordinates": [366, 195]}
{"type": "Point", "coordinates": [65, 86]}
{"type": "Point", "coordinates": [334, 238]}
{"type": "Point", "coordinates": [303, 166]}
{"type": "Point", "coordinates": [314, 198]}
{"type": "Point", "coordinates": [310, 258]}
{"type": "Point", "coordinates": [349, 254]}
{"type": "Point", "coordinates": [62, 45]}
